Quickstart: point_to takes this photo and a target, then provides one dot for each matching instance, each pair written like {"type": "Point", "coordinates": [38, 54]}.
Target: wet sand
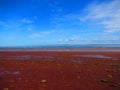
{"type": "Point", "coordinates": [42, 70]}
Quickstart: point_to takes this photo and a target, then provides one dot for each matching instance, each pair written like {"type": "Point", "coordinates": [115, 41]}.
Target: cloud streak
{"type": "Point", "coordinates": [106, 14]}
{"type": "Point", "coordinates": [103, 14]}
{"type": "Point", "coordinates": [18, 24]}
{"type": "Point", "coordinates": [56, 13]}
{"type": "Point", "coordinates": [26, 21]}
{"type": "Point", "coordinates": [41, 34]}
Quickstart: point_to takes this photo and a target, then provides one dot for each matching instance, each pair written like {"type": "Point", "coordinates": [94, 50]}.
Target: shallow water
{"type": "Point", "coordinates": [8, 73]}
{"type": "Point", "coordinates": [77, 61]}
{"type": "Point", "coordinates": [26, 57]}
{"type": "Point", "coordinates": [97, 56]}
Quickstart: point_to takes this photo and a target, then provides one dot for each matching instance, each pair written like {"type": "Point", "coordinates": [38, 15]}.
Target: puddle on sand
{"type": "Point", "coordinates": [2, 68]}
{"type": "Point", "coordinates": [43, 57]}
{"type": "Point", "coordinates": [16, 73]}
{"type": "Point", "coordinates": [77, 61]}
{"type": "Point", "coordinates": [9, 73]}
{"type": "Point", "coordinates": [97, 56]}
{"type": "Point", "coordinates": [26, 57]}
{"type": "Point", "coordinates": [21, 57]}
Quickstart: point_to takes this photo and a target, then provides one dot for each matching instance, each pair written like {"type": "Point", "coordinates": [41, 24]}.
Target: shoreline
{"type": "Point", "coordinates": [63, 49]}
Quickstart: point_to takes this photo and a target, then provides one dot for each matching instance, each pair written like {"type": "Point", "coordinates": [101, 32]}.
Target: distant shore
{"type": "Point", "coordinates": [65, 49]}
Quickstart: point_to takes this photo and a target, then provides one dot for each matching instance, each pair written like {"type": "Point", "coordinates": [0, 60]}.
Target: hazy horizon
{"type": "Point", "coordinates": [65, 45]}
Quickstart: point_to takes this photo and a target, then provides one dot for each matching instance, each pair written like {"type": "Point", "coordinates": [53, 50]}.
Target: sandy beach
{"type": "Point", "coordinates": [59, 70]}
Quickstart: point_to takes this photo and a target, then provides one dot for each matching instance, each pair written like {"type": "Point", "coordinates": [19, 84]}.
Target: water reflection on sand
{"type": "Point", "coordinates": [51, 57]}
{"type": "Point", "coordinates": [97, 56]}
{"type": "Point", "coordinates": [25, 57]}
{"type": "Point", "coordinates": [10, 73]}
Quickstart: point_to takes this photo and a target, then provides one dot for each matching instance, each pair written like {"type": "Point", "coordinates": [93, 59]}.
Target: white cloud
{"type": "Point", "coordinates": [29, 28]}
{"type": "Point", "coordinates": [41, 34]}
{"type": "Point", "coordinates": [35, 35]}
{"type": "Point", "coordinates": [103, 39]}
{"type": "Point", "coordinates": [27, 21]}
{"type": "Point", "coordinates": [106, 14]}
{"type": "Point", "coordinates": [18, 24]}
{"type": "Point", "coordinates": [76, 40]}
{"type": "Point", "coordinates": [56, 13]}
{"type": "Point", "coordinates": [2, 23]}
{"type": "Point", "coordinates": [7, 25]}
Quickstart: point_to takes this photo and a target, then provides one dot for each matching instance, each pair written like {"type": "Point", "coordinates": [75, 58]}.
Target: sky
{"type": "Point", "coordinates": [51, 22]}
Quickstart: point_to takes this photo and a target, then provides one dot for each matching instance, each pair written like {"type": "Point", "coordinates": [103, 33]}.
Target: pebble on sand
{"type": "Point", "coordinates": [5, 89]}
{"type": "Point", "coordinates": [109, 76]}
{"type": "Point", "coordinates": [58, 64]}
{"type": "Point", "coordinates": [43, 81]}
{"type": "Point", "coordinates": [78, 77]}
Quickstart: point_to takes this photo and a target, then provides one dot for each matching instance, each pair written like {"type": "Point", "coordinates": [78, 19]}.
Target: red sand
{"type": "Point", "coordinates": [59, 71]}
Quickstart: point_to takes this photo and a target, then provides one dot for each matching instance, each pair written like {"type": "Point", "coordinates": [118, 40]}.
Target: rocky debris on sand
{"type": "Point", "coordinates": [104, 81]}
{"type": "Point", "coordinates": [58, 65]}
{"type": "Point", "coordinates": [108, 70]}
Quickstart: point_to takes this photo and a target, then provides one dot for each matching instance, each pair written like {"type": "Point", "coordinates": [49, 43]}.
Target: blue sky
{"type": "Point", "coordinates": [49, 22]}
